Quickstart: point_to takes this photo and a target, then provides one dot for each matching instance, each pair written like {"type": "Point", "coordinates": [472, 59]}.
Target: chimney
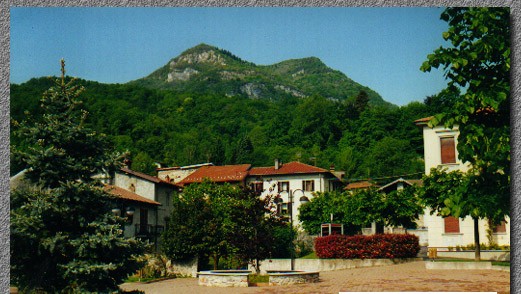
{"type": "Point", "coordinates": [332, 168]}
{"type": "Point", "coordinates": [278, 164]}
{"type": "Point", "coordinates": [127, 162]}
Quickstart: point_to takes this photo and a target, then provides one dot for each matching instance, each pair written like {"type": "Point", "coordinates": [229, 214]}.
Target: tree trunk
{"type": "Point", "coordinates": [215, 261]}
{"type": "Point", "coordinates": [477, 251]}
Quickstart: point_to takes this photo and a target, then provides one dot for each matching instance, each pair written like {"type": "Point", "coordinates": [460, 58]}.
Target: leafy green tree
{"type": "Point", "coordinates": [200, 222]}
{"type": "Point", "coordinates": [391, 157]}
{"type": "Point", "coordinates": [361, 208]}
{"type": "Point", "coordinates": [284, 236]}
{"type": "Point", "coordinates": [64, 237]}
{"type": "Point", "coordinates": [478, 65]}
{"type": "Point", "coordinates": [254, 235]}
{"type": "Point", "coordinates": [361, 102]}
{"type": "Point", "coordinates": [455, 194]}
{"type": "Point", "coordinates": [442, 102]}
{"type": "Point", "coordinates": [320, 210]}
{"type": "Point", "coordinates": [243, 151]}
{"type": "Point", "coordinates": [315, 119]}
{"type": "Point", "coordinates": [397, 208]}
{"type": "Point", "coordinates": [315, 213]}
{"type": "Point", "coordinates": [144, 163]}
{"type": "Point", "coordinates": [213, 221]}
{"type": "Point", "coordinates": [401, 208]}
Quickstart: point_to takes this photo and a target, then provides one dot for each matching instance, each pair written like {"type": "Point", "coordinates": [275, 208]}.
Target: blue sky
{"type": "Point", "coordinates": [382, 48]}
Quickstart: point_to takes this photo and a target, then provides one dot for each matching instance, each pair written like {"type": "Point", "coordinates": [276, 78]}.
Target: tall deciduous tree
{"type": "Point", "coordinates": [361, 102]}
{"type": "Point", "coordinates": [361, 208]}
{"type": "Point", "coordinates": [478, 65]}
{"type": "Point", "coordinates": [64, 237]}
{"type": "Point", "coordinates": [397, 208]}
{"type": "Point", "coordinates": [214, 221]}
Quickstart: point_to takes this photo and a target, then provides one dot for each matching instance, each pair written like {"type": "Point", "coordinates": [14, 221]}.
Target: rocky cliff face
{"type": "Point", "coordinates": [209, 56]}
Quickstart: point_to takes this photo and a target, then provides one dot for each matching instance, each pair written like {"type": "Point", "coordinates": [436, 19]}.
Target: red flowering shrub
{"type": "Point", "coordinates": [374, 246]}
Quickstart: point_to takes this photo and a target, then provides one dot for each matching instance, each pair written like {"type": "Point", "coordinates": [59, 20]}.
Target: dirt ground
{"type": "Point", "coordinates": [394, 278]}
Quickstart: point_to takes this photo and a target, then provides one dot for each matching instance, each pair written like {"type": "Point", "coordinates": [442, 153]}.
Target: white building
{"type": "Point", "coordinates": [151, 214]}
{"type": "Point", "coordinates": [440, 151]}
{"type": "Point", "coordinates": [293, 183]}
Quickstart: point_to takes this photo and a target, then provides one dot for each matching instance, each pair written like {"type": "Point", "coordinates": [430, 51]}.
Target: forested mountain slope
{"type": "Point", "coordinates": [188, 122]}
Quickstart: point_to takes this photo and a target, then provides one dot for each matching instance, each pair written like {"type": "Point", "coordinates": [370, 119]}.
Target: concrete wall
{"type": "Point", "coordinates": [458, 265]}
{"type": "Point", "coordinates": [422, 234]}
{"type": "Point", "coordinates": [164, 196]}
{"type": "Point", "coordinates": [496, 255]}
{"type": "Point", "coordinates": [325, 264]}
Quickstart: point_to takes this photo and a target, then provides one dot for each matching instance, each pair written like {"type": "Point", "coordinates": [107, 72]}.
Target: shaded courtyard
{"type": "Point", "coordinates": [396, 278]}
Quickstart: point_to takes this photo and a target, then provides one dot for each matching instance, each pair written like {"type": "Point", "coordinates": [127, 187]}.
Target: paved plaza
{"type": "Point", "coordinates": [395, 278]}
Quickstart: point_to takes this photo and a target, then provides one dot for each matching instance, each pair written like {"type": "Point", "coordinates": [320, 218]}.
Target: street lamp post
{"type": "Point", "coordinates": [303, 199]}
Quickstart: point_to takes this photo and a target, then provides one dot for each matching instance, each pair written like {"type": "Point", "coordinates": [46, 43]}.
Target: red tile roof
{"type": "Point", "coordinates": [127, 195]}
{"type": "Point", "coordinates": [225, 173]}
{"type": "Point", "coordinates": [423, 121]}
{"type": "Point", "coordinates": [359, 185]}
{"type": "Point", "coordinates": [293, 167]}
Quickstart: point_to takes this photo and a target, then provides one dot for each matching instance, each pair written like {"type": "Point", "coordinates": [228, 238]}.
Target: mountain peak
{"type": "Point", "coordinates": [204, 53]}
{"type": "Point", "coordinates": [200, 54]}
{"type": "Point", "coordinates": [209, 69]}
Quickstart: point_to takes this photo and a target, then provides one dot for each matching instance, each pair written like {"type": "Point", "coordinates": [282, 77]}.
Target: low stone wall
{"type": "Point", "coordinates": [495, 255]}
{"type": "Point", "coordinates": [320, 265]}
{"type": "Point", "coordinates": [292, 278]}
{"type": "Point", "coordinates": [449, 265]}
{"type": "Point", "coordinates": [223, 278]}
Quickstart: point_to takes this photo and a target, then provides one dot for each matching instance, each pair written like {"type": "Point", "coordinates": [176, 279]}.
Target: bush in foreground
{"type": "Point", "coordinates": [374, 246]}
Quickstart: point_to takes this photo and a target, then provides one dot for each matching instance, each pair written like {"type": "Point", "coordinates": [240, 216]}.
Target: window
{"type": "Point", "coordinates": [448, 150]}
{"type": "Point", "coordinates": [501, 228]}
{"type": "Point", "coordinates": [278, 201]}
{"type": "Point", "coordinates": [284, 209]}
{"type": "Point", "coordinates": [257, 187]}
{"type": "Point", "coordinates": [308, 185]}
{"type": "Point", "coordinates": [143, 220]}
{"type": "Point", "coordinates": [283, 186]}
{"type": "Point", "coordinates": [132, 188]}
{"type": "Point", "coordinates": [451, 224]}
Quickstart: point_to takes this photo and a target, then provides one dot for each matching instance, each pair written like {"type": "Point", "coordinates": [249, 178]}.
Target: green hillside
{"type": "Point", "coordinates": [203, 119]}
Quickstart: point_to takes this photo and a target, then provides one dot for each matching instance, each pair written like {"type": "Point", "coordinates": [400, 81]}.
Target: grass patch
{"type": "Point", "coordinates": [501, 263]}
{"type": "Point", "coordinates": [312, 255]}
{"type": "Point", "coordinates": [258, 279]}
{"type": "Point", "coordinates": [135, 279]}
{"type": "Point", "coordinates": [457, 260]}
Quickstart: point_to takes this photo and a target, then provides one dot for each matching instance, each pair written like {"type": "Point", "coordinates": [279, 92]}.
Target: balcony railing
{"type": "Point", "coordinates": [147, 231]}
